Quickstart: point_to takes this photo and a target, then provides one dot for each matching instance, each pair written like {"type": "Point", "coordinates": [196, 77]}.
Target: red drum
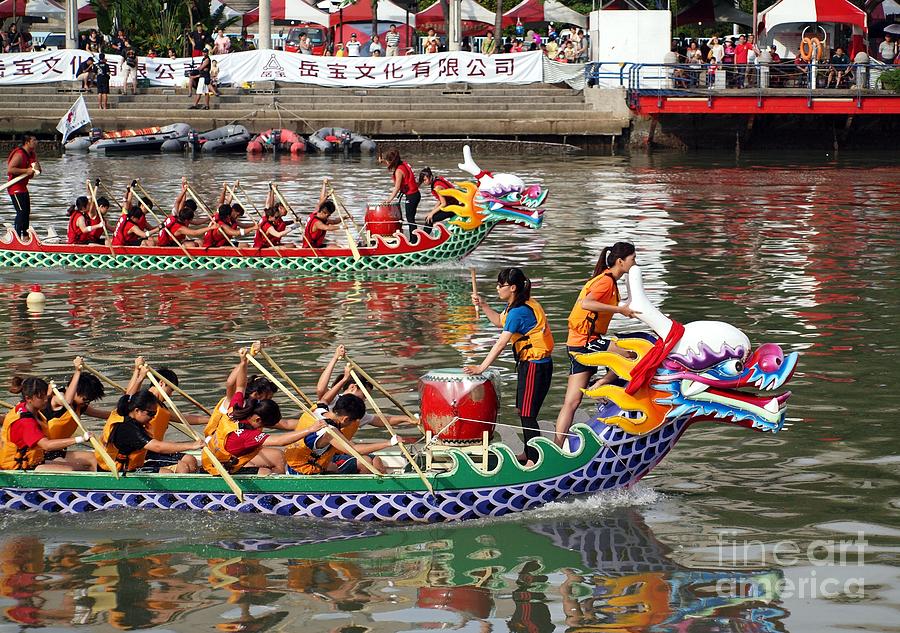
{"type": "Point", "coordinates": [383, 219]}
{"type": "Point", "coordinates": [456, 407]}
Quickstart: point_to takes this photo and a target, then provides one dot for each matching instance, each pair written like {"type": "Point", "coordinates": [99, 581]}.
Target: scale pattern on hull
{"type": "Point", "coordinates": [614, 466]}
{"type": "Point", "coordinates": [458, 245]}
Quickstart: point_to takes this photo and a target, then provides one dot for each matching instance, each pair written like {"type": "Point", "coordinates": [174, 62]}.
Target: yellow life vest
{"type": "Point", "coordinates": [11, 456]}
{"type": "Point", "coordinates": [156, 428]}
{"type": "Point", "coordinates": [537, 343]}
{"type": "Point", "coordinates": [301, 458]}
{"type": "Point", "coordinates": [224, 427]}
{"type": "Point", "coordinates": [129, 462]}
{"type": "Point", "coordinates": [216, 417]}
{"type": "Point", "coordinates": [585, 322]}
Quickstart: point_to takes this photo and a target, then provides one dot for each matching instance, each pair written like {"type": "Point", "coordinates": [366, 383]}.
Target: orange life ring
{"type": "Point", "coordinates": [810, 44]}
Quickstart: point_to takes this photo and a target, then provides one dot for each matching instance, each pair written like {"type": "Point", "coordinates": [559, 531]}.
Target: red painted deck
{"type": "Point", "coordinates": [767, 102]}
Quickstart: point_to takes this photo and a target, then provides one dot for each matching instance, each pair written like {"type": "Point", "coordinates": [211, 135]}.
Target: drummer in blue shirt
{"type": "Point", "coordinates": [524, 323]}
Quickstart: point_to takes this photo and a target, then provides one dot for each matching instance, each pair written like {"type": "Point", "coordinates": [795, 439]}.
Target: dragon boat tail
{"type": "Point", "coordinates": [683, 374]}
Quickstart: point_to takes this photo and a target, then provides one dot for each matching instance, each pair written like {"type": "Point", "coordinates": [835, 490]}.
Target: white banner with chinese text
{"type": "Point", "coordinates": [342, 72]}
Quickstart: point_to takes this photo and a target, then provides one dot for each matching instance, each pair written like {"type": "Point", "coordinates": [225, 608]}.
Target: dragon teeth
{"type": "Point", "coordinates": [691, 388]}
{"type": "Point", "coordinates": [772, 406]}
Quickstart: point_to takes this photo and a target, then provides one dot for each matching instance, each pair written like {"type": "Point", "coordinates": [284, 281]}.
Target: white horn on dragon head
{"type": "Point", "coordinates": [646, 311]}
{"type": "Point", "coordinates": [468, 165]}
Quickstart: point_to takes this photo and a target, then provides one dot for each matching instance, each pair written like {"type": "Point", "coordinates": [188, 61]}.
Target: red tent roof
{"type": "Point", "coordinates": [811, 11]}
{"type": "Point", "coordinates": [529, 11]}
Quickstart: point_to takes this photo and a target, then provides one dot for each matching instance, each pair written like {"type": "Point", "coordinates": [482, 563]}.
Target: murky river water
{"type": "Point", "coordinates": [800, 251]}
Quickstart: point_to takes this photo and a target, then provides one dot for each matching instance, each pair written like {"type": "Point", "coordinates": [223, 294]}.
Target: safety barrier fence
{"type": "Point", "coordinates": [813, 80]}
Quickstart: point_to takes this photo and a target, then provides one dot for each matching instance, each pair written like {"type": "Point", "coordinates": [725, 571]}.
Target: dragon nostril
{"type": "Point", "coordinates": [778, 362]}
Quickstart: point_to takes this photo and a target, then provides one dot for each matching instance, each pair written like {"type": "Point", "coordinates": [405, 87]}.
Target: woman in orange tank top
{"type": "Point", "coordinates": [589, 322]}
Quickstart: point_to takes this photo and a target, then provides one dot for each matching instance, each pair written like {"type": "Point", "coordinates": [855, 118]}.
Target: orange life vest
{"type": "Point", "coordinates": [11, 456]}
{"type": "Point", "coordinates": [221, 411]}
{"type": "Point", "coordinates": [302, 459]}
{"type": "Point", "coordinates": [232, 463]}
{"type": "Point", "coordinates": [156, 429]}
{"type": "Point", "coordinates": [63, 425]}
{"type": "Point", "coordinates": [537, 343]}
{"type": "Point", "coordinates": [587, 323]}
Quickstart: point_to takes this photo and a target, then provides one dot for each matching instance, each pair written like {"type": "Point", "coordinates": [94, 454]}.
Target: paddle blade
{"type": "Point", "coordinates": [352, 243]}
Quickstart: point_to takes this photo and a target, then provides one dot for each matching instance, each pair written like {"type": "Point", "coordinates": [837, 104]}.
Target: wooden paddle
{"type": "Point", "coordinates": [259, 215]}
{"type": "Point", "coordinates": [10, 183]}
{"type": "Point", "coordinates": [93, 192]}
{"type": "Point", "coordinates": [351, 242]}
{"type": "Point", "coordinates": [6, 405]}
{"type": "Point", "coordinates": [188, 430]}
{"type": "Point", "coordinates": [342, 441]}
{"type": "Point", "coordinates": [284, 375]}
{"type": "Point", "coordinates": [297, 218]}
{"type": "Point", "coordinates": [180, 391]}
{"type": "Point", "coordinates": [339, 203]}
{"type": "Point", "coordinates": [95, 443]}
{"type": "Point", "coordinates": [112, 196]}
{"type": "Point", "coordinates": [202, 205]}
{"type": "Point", "coordinates": [474, 288]}
{"type": "Point", "coordinates": [109, 381]}
{"type": "Point", "coordinates": [162, 225]}
{"type": "Point", "coordinates": [387, 394]}
{"type": "Point", "coordinates": [390, 429]}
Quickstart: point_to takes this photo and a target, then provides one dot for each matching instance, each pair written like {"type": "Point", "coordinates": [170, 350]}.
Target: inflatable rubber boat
{"type": "Point", "coordinates": [228, 138]}
{"type": "Point", "coordinates": [339, 139]}
{"type": "Point", "coordinates": [168, 138]}
{"type": "Point", "coordinates": [277, 140]}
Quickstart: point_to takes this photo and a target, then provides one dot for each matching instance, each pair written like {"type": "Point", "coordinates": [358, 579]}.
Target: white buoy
{"type": "Point", "coordinates": [36, 300]}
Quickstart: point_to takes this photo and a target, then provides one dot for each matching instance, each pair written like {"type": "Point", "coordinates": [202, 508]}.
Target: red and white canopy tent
{"type": "Point", "coordinates": [537, 12]}
{"type": "Point", "coordinates": [33, 8]}
{"type": "Point", "coordinates": [290, 10]}
{"type": "Point", "coordinates": [476, 19]}
{"type": "Point", "coordinates": [812, 11]}
{"type": "Point", "coordinates": [786, 16]}
{"type": "Point", "coordinates": [361, 11]}
{"type": "Point", "coordinates": [712, 12]}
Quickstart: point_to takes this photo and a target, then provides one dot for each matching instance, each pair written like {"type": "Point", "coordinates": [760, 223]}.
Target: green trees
{"type": "Point", "coordinates": [157, 24]}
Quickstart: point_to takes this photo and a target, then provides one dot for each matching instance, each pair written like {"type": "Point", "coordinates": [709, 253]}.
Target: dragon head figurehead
{"type": "Point", "coordinates": [699, 371]}
{"type": "Point", "coordinates": [495, 198]}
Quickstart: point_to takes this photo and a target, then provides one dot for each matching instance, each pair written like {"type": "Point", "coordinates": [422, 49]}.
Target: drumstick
{"type": "Point", "coordinates": [474, 289]}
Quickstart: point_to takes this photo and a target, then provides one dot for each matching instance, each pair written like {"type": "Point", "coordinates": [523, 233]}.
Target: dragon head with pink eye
{"type": "Point", "coordinates": [706, 374]}
{"type": "Point", "coordinates": [493, 198]}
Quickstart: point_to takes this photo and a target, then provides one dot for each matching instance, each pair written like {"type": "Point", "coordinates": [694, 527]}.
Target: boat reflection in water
{"type": "Point", "coordinates": [606, 574]}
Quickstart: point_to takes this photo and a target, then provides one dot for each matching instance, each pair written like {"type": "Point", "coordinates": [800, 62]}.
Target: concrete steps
{"type": "Point", "coordinates": [450, 110]}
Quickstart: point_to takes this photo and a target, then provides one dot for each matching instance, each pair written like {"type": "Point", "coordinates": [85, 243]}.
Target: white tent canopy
{"type": "Point", "coordinates": [555, 11]}
{"type": "Point", "coordinates": [469, 10]}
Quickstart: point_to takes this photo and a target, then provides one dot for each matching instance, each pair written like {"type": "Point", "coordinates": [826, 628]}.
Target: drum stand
{"type": "Point", "coordinates": [437, 456]}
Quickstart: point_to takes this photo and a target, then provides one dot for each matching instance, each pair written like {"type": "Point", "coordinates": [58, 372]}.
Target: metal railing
{"type": "Point", "coordinates": [813, 80]}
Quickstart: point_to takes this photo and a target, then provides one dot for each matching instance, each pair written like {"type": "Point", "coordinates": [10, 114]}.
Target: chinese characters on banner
{"type": "Point", "coordinates": [250, 66]}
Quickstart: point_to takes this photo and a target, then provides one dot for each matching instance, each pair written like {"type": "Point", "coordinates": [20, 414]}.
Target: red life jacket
{"type": "Point", "coordinates": [77, 236]}
{"type": "Point", "coordinates": [22, 185]}
{"type": "Point", "coordinates": [122, 236]}
{"type": "Point", "coordinates": [214, 238]}
{"type": "Point", "coordinates": [440, 183]}
{"type": "Point", "coordinates": [408, 185]}
{"type": "Point", "coordinates": [259, 240]}
{"type": "Point", "coordinates": [315, 238]}
{"type": "Point", "coordinates": [173, 225]}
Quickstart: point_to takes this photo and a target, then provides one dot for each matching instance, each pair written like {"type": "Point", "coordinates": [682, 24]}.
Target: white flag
{"type": "Point", "coordinates": [76, 118]}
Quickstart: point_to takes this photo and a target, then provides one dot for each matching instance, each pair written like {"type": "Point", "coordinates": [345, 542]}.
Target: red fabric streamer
{"type": "Point", "coordinates": [647, 366]}
{"type": "Point", "coordinates": [483, 173]}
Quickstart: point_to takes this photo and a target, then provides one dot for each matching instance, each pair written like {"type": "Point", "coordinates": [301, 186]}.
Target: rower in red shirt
{"type": "Point", "coordinates": [318, 224]}
{"type": "Point", "coordinates": [25, 435]}
{"type": "Point", "coordinates": [85, 224]}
